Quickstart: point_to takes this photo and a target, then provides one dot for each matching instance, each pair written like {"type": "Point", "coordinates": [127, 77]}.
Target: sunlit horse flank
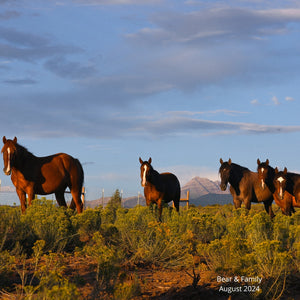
{"type": "Point", "coordinates": [287, 186]}
{"type": "Point", "coordinates": [159, 188]}
{"type": "Point", "coordinates": [244, 186]}
{"type": "Point", "coordinates": [42, 175]}
{"type": "Point", "coordinates": [267, 175]}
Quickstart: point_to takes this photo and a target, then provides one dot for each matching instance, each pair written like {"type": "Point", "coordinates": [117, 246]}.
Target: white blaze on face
{"type": "Point", "coordinates": [280, 180]}
{"type": "Point", "coordinates": [262, 181]}
{"type": "Point", "coordinates": [8, 161]}
{"type": "Point", "coordinates": [144, 176]}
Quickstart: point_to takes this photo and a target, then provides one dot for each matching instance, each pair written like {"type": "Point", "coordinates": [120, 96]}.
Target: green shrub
{"type": "Point", "coordinates": [49, 223]}
{"type": "Point", "coordinates": [87, 223]}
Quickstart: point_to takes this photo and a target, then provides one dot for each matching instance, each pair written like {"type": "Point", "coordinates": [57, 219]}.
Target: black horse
{"type": "Point", "coordinates": [159, 188]}
{"type": "Point", "coordinates": [244, 186]}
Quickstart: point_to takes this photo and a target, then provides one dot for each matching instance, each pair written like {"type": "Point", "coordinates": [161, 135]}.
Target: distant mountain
{"type": "Point", "coordinates": [201, 186]}
{"type": "Point", "coordinates": [202, 192]}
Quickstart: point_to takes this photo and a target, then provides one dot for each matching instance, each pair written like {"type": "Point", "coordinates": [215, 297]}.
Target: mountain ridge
{"type": "Point", "coordinates": [202, 191]}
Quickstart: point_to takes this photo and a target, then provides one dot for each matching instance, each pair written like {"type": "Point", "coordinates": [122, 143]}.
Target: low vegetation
{"type": "Point", "coordinates": [36, 249]}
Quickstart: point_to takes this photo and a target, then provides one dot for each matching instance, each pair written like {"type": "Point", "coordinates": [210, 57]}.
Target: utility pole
{"type": "Point", "coordinates": [102, 198]}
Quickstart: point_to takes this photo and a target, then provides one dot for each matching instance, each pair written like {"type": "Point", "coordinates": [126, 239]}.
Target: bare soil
{"type": "Point", "coordinates": [156, 283]}
{"type": "Point", "coordinates": [164, 284]}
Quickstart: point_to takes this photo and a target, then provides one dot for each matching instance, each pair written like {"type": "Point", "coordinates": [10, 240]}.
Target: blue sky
{"type": "Point", "coordinates": [185, 82]}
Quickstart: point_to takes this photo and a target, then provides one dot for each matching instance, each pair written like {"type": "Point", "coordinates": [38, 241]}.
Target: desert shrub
{"type": "Point", "coordinates": [127, 290]}
{"type": "Point", "coordinates": [108, 263]}
{"type": "Point", "coordinates": [110, 234]}
{"type": "Point", "coordinates": [15, 236]}
{"type": "Point", "coordinates": [109, 213]}
{"type": "Point", "coordinates": [282, 226]}
{"type": "Point", "coordinates": [7, 262]}
{"type": "Point", "coordinates": [260, 228]}
{"type": "Point", "coordinates": [147, 241]}
{"type": "Point", "coordinates": [226, 255]}
{"type": "Point", "coordinates": [49, 223]}
{"type": "Point", "coordinates": [87, 223]}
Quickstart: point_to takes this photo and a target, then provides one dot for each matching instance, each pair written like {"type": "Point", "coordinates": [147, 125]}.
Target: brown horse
{"type": "Point", "coordinates": [159, 188]}
{"type": "Point", "coordinates": [266, 175]}
{"type": "Point", "coordinates": [244, 186]}
{"type": "Point", "coordinates": [42, 175]}
{"type": "Point", "coordinates": [286, 183]}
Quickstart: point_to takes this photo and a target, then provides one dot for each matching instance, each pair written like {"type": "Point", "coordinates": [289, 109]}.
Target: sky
{"type": "Point", "coordinates": [184, 82]}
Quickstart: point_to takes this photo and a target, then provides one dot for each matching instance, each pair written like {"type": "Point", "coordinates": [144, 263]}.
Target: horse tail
{"type": "Point", "coordinates": [80, 172]}
{"type": "Point", "coordinates": [176, 200]}
{"type": "Point", "coordinates": [79, 182]}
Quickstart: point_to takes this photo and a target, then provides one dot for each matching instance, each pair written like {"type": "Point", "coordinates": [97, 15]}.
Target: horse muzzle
{"type": "Point", "coordinates": [6, 172]}
{"type": "Point", "coordinates": [223, 187]}
{"type": "Point", "coordinates": [280, 195]}
{"type": "Point", "coordinates": [143, 184]}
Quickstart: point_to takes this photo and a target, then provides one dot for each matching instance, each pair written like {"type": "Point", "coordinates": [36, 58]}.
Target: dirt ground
{"type": "Point", "coordinates": [166, 284]}
{"type": "Point", "coordinates": [160, 284]}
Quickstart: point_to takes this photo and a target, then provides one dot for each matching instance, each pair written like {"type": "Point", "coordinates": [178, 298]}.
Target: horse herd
{"type": "Point", "coordinates": [262, 186]}
{"type": "Point", "coordinates": [53, 174]}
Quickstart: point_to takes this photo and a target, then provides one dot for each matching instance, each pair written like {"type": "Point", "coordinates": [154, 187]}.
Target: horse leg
{"type": "Point", "coordinates": [159, 204]}
{"type": "Point", "coordinates": [176, 203]}
{"type": "Point", "coordinates": [237, 202]}
{"type": "Point", "coordinates": [268, 208]}
{"type": "Point", "coordinates": [247, 204]}
{"type": "Point", "coordinates": [22, 197]}
{"type": "Point", "coordinates": [60, 198]}
{"type": "Point", "coordinates": [30, 197]}
{"type": "Point", "coordinates": [77, 199]}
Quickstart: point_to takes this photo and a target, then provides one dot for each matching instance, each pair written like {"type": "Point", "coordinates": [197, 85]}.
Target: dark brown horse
{"type": "Point", "coordinates": [287, 183]}
{"type": "Point", "coordinates": [159, 188]}
{"type": "Point", "coordinates": [266, 175]}
{"type": "Point", "coordinates": [42, 175]}
{"type": "Point", "coordinates": [244, 186]}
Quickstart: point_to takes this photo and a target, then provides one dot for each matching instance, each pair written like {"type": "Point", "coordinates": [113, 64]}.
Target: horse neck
{"type": "Point", "coordinates": [292, 180]}
{"type": "Point", "coordinates": [23, 156]}
{"type": "Point", "coordinates": [236, 175]}
{"type": "Point", "coordinates": [270, 178]}
{"type": "Point", "coordinates": [154, 178]}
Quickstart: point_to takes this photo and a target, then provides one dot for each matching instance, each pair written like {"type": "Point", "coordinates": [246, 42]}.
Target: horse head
{"type": "Point", "coordinates": [280, 181]}
{"type": "Point", "coordinates": [262, 170]}
{"type": "Point", "coordinates": [224, 172]}
{"type": "Point", "coordinates": [146, 169]}
{"type": "Point", "coordinates": [9, 151]}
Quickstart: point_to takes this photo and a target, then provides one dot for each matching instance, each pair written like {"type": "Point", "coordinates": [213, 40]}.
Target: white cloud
{"type": "Point", "coordinates": [289, 99]}
{"type": "Point", "coordinates": [254, 102]}
{"type": "Point", "coordinates": [275, 100]}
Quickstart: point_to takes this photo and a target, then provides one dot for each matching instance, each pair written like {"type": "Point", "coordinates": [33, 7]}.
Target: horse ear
{"type": "Point", "coordinates": [221, 161]}
{"type": "Point", "coordinates": [258, 161]}
{"type": "Point", "coordinates": [276, 170]}
{"type": "Point", "coordinates": [149, 160]}
{"type": "Point", "coordinates": [267, 162]}
{"type": "Point", "coordinates": [4, 140]}
{"type": "Point", "coordinates": [15, 140]}
{"type": "Point", "coordinates": [285, 171]}
{"type": "Point", "coordinates": [141, 161]}
{"type": "Point", "coordinates": [229, 161]}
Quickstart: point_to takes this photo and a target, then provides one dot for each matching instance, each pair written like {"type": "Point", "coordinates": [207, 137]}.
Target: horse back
{"type": "Point", "coordinates": [249, 188]}
{"type": "Point", "coordinates": [171, 186]}
{"type": "Point", "coordinates": [57, 171]}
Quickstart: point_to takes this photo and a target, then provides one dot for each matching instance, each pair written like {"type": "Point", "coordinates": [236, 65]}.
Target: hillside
{"type": "Point", "coordinates": [203, 192]}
